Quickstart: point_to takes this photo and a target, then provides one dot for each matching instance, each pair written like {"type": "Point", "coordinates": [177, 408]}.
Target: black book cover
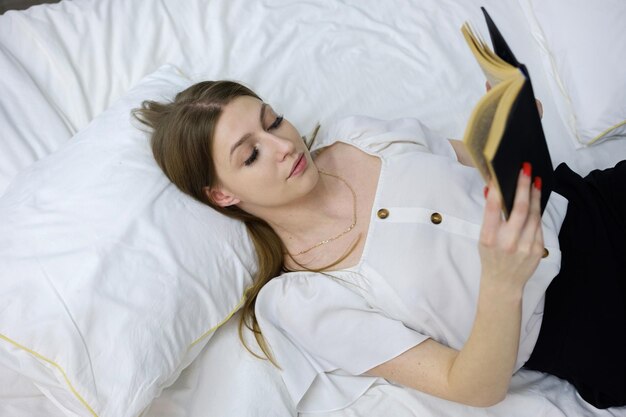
{"type": "Point", "coordinates": [523, 139]}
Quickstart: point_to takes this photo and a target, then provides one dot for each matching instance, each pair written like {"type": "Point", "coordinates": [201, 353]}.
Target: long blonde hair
{"type": "Point", "coordinates": [181, 141]}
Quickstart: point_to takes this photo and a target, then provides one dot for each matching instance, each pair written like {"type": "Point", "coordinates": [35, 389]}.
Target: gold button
{"type": "Point", "coordinates": [383, 213]}
{"type": "Point", "coordinates": [546, 252]}
{"type": "Point", "coordinates": [436, 218]}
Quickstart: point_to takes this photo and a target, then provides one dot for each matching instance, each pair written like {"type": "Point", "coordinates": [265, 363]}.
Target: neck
{"type": "Point", "coordinates": [324, 212]}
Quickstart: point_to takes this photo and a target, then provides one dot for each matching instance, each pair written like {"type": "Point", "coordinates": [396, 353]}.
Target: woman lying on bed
{"type": "Point", "coordinates": [382, 254]}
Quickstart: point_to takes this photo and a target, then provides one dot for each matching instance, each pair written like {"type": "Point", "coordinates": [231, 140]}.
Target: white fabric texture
{"type": "Point", "coordinates": [63, 64]}
{"type": "Point", "coordinates": [415, 279]}
{"type": "Point", "coordinates": [112, 279]}
{"type": "Point", "coordinates": [530, 394]}
{"type": "Point", "coordinates": [225, 380]}
{"type": "Point", "coordinates": [27, 125]}
{"type": "Point", "coordinates": [584, 49]}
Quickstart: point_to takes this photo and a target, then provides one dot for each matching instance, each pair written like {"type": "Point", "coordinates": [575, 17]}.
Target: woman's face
{"type": "Point", "coordinates": [260, 158]}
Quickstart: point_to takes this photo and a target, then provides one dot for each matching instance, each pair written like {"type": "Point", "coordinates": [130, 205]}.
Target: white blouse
{"type": "Point", "coordinates": [418, 277]}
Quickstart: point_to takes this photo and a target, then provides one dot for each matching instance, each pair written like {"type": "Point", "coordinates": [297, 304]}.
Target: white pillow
{"type": "Point", "coordinates": [584, 48]}
{"type": "Point", "coordinates": [112, 280]}
{"type": "Point", "coordinates": [225, 380]}
{"type": "Point", "coordinates": [31, 125]}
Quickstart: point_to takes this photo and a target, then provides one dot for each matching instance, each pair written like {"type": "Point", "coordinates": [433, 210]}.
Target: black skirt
{"type": "Point", "coordinates": [583, 333]}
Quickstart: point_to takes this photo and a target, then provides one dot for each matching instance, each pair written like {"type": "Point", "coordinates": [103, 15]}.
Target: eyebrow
{"type": "Point", "coordinates": [247, 135]}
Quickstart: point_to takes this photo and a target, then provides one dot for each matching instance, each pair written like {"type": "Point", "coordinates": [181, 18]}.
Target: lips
{"type": "Point", "coordinates": [298, 166]}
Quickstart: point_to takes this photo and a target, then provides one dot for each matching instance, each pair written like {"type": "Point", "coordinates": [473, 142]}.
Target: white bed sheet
{"type": "Point", "coordinates": [228, 388]}
{"type": "Point", "coordinates": [20, 398]}
{"type": "Point", "coordinates": [314, 60]}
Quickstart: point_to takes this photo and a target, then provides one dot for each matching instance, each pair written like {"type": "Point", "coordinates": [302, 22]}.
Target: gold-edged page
{"type": "Point", "coordinates": [510, 90]}
{"type": "Point", "coordinates": [479, 126]}
{"type": "Point", "coordinates": [495, 68]}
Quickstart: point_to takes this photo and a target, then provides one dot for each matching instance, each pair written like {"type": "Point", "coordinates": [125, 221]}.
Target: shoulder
{"type": "Point", "coordinates": [300, 284]}
{"type": "Point", "coordinates": [380, 137]}
{"type": "Point", "coordinates": [350, 130]}
{"type": "Point", "coordinates": [282, 292]}
{"type": "Point", "coordinates": [300, 296]}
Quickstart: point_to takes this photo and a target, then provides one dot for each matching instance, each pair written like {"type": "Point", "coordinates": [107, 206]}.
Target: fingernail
{"type": "Point", "coordinates": [538, 183]}
{"type": "Point", "coordinates": [526, 168]}
{"type": "Point", "coordinates": [486, 191]}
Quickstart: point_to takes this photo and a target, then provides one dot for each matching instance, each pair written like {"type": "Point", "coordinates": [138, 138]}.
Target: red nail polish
{"type": "Point", "coordinates": [486, 191]}
{"type": "Point", "coordinates": [538, 183]}
{"type": "Point", "coordinates": [526, 168]}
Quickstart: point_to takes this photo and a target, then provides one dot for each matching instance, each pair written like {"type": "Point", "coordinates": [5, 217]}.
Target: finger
{"type": "Point", "coordinates": [487, 85]}
{"type": "Point", "coordinates": [539, 232]}
{"type": "Point", "coordinates": [539, 108]}
{"type": "Point", "coordinates": [492, 217]}
{"type": "Point", "coordinates": [533, 223]}
{"type": "Point", "coordinates": [539, 239]}
{"type": "Point", "coordinates": [521, 204]}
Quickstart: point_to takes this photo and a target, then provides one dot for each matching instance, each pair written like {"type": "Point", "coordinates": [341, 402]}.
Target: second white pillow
{"type": "Point", "coordinates": [584, 49]}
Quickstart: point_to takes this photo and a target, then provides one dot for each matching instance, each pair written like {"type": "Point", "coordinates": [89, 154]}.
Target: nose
{"type": "Point", "coordinates": [283, 147]}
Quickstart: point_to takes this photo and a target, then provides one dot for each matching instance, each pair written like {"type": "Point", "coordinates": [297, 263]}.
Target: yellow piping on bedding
{"type": "Point", "coordinates": [67, 380]}
{"type": "Point", "coordinates": [601, 135]}
{"type": "Point", "coordinates": [51, 362]}
{"type": "Point", "coordinates": [217, 326]}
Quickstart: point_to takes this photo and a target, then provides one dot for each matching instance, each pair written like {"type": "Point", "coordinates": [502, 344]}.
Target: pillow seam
{"type": "Point", "coordinates": [39, 356]}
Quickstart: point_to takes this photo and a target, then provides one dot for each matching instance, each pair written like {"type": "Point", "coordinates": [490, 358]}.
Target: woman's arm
{"type": "Point", "coordinates": [479, 374]}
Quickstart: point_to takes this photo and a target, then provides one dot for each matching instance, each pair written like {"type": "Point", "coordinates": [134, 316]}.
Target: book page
{"type": "Point", "coordinates": [501, 116]}
{"type": "Point", "coordinates": [495, 68]}
{"type": "Point", "coordinates": [504, 129]}
{"type": "Point", "coordinates": [479, 126]}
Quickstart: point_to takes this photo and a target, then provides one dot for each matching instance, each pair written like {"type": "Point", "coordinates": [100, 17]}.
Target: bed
{"type": "Point", "coordinates": [119, 296]}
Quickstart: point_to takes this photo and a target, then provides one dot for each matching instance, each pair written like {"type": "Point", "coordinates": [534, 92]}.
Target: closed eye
{"type": "Point", "coordinates": [253, 156]}
{"type": "Point", "coordinates": [276, 123]}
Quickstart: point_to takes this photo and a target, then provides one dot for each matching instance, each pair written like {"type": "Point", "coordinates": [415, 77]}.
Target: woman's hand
{"type": "Point", "coordinates": [510, 250]}
{"type": "Point", "coordinates": [479, 374]}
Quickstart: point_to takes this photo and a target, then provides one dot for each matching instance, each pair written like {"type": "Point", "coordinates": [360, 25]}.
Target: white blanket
{"type": "Point", "coordinates": [63, 64]}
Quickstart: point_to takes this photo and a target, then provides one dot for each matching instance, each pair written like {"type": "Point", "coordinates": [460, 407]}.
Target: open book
{"type": "Point", "coordinates": [504, 129]}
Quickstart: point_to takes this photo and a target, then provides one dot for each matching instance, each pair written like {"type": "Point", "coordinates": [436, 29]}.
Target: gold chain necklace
{"type": "Point", "coordinates": [323, 242]}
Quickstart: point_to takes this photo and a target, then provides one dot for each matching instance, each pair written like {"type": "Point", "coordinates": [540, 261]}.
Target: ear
{"type": "Point", "coordinates": [220, 196]}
